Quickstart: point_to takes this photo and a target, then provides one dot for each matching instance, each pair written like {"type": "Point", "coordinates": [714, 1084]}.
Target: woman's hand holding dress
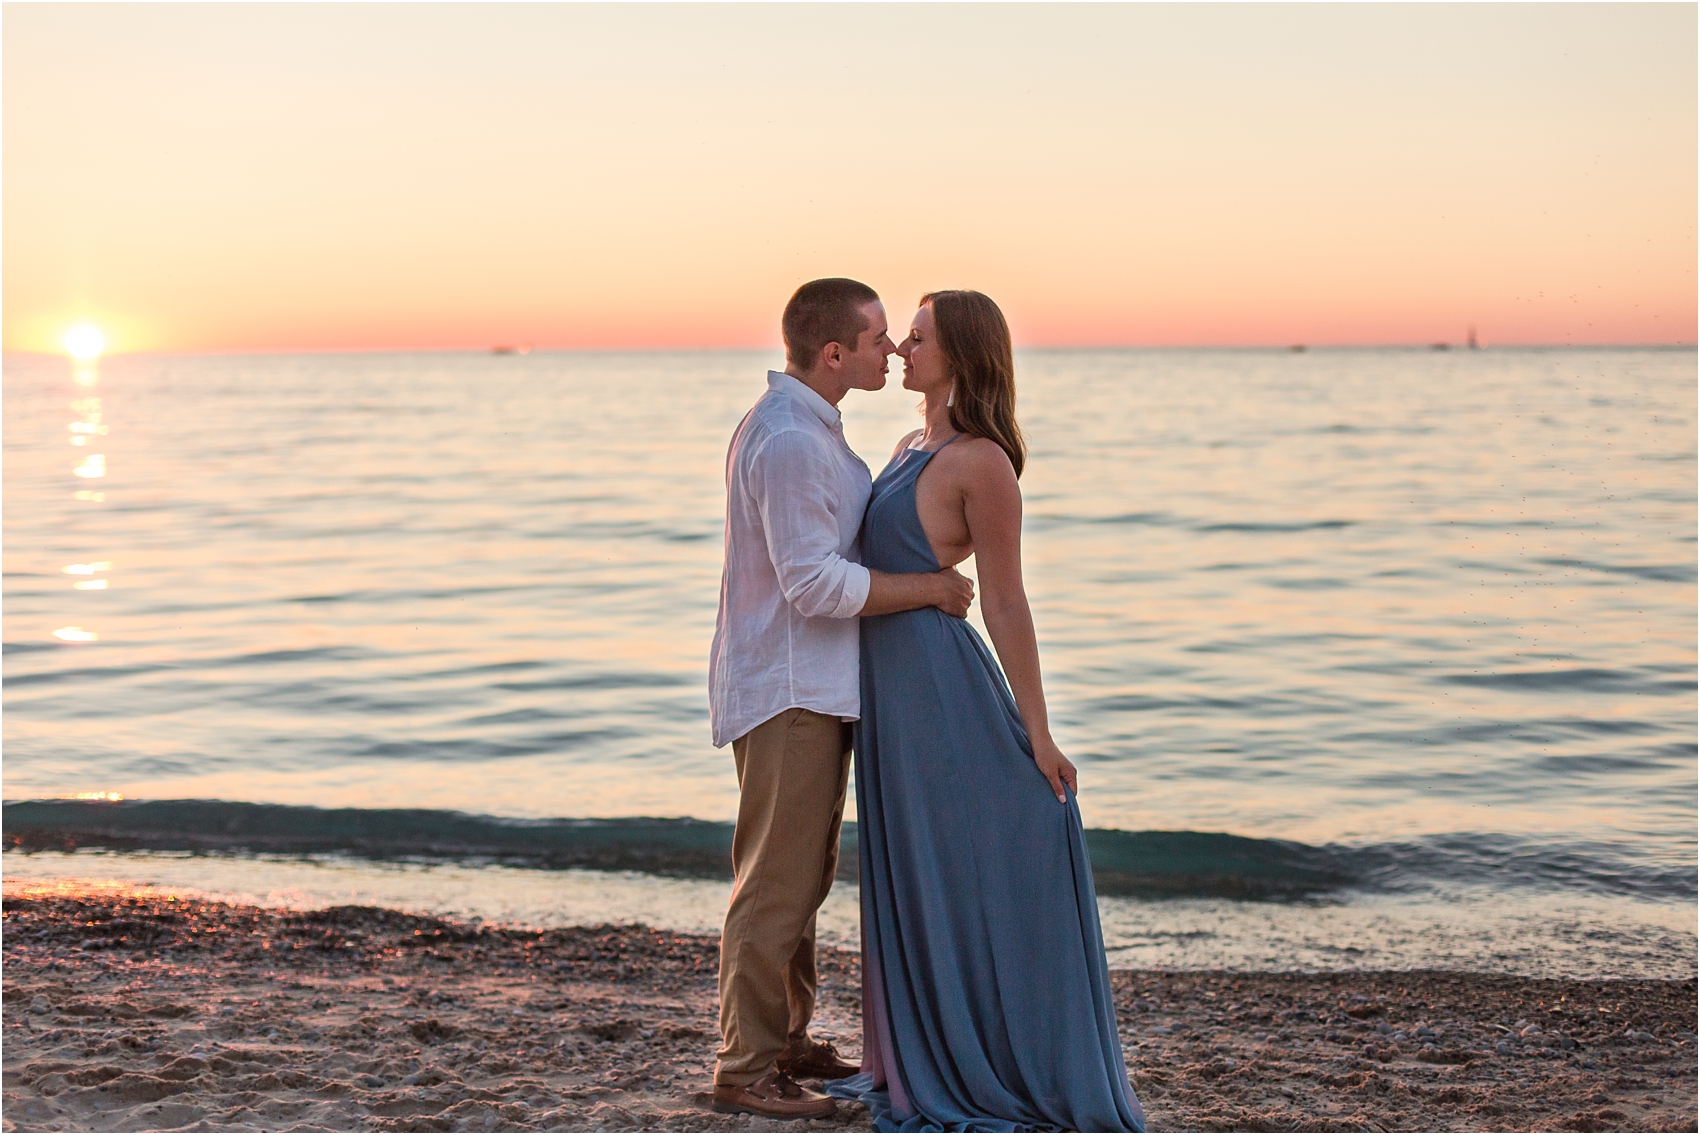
{"type": "Point", "coordinates": [1058, 769]}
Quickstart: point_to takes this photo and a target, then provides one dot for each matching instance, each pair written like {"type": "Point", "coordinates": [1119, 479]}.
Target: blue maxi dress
{"type": "Point", "coordinates": [985, 992]}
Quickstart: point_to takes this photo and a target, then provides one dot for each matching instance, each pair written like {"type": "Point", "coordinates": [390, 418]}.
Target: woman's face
{"type": "Point", "coordinates": [923, 363]}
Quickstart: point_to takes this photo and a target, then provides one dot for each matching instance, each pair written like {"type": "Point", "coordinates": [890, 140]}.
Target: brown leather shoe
{"type": "Point", "coordinates": [775, 1095]}
{"type": "Point", "coordinates": [820, 1061]}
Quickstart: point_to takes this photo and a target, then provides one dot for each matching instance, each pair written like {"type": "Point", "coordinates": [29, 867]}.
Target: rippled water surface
{"type": "Point", "coordinates": [1338, 596]}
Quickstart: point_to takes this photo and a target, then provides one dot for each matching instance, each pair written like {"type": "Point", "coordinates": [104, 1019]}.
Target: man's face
{"type": "Point", "coordinates": [865, 367]}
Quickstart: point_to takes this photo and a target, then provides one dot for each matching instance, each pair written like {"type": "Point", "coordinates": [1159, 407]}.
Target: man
{"type": "Point", "coordinates": [783, 681]}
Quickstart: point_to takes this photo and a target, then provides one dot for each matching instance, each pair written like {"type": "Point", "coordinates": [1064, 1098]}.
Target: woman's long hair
{"type": "Point", "coordinates": [975, 341]}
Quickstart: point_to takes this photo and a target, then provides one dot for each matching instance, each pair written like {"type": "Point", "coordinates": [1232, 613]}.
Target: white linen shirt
{"type": "Point", "coordinates": [787, 635]}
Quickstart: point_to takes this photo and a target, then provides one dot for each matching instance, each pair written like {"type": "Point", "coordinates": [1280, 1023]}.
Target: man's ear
{"type": "Point", "coordinates": [832, 355]}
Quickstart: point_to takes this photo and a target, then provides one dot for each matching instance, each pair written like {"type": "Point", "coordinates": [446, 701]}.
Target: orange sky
{"type": "Point", "coordinates": [229, 177]}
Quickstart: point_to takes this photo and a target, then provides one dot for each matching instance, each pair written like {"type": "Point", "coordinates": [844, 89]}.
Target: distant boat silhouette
{"type": "Point", "coordinates": [1297, 348]}
{"type": "Point", "coordinates": [1472, 344]}
{"type": "Point", "coordinates": [522, 349]}
{"type": "Point", "coordinates": [1440, 346]}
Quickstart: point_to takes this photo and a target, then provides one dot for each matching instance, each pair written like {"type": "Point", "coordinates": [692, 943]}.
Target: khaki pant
{"type": "Point", "coordinates": [792, 771]}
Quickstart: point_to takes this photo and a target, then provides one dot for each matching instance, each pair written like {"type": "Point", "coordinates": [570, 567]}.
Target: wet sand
{"type": "Point", "coordinates": [139, 1012]}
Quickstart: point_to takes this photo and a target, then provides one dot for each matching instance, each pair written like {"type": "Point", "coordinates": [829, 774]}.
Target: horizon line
{"type": "Point", "coordinates": [520, 350]}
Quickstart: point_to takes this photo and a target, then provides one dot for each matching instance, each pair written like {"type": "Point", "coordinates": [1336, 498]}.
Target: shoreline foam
{"type": "Point", "coordinates": [1519, 931]}
{"type": "Point", "coordinates": [129, 1011]}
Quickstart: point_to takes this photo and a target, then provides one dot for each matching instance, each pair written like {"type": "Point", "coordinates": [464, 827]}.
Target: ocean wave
{"type": "Point", "coordinates": [1147, 864]}
{"type": "Point", "coordinates": [1592, 679]}
{"type": "Point", "coordinates": [1254, 527]}
{"type": "Point", "coordinates": [1662, 573]}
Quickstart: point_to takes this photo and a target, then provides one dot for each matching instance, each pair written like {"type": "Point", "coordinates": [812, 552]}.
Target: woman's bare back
{"type": "Point", "coordinates": [942, 491]}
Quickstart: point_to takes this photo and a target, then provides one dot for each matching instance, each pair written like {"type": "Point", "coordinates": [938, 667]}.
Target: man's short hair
{"type": "Point", "coordinates": [822, 312]}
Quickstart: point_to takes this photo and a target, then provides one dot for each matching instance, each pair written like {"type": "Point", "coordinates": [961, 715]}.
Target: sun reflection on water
{"type": "Point", "coordinates": [85, 345]}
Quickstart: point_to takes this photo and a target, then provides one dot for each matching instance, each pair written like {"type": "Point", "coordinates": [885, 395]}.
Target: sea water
{"type": "Point", "coordinates": [1434, 608]}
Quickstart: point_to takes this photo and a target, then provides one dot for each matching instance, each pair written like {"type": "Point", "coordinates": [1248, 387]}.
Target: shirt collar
{"type": "Point", "coordinates": [820, 407]}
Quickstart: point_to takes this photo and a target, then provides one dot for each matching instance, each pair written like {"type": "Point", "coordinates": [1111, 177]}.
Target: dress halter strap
{"type": "Point", "coordinates": [930, 452]}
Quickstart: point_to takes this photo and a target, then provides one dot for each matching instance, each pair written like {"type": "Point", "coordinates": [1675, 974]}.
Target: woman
{"type": "Point", "coordinates": [986, 997]}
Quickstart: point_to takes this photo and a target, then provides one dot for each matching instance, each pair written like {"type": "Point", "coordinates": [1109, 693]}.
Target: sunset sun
{"type": "Point", "coordinates": [85, 342]}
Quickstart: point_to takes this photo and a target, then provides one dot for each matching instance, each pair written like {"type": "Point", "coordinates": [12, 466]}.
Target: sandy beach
{"type": "Point", "coordinates": [145, 1011]}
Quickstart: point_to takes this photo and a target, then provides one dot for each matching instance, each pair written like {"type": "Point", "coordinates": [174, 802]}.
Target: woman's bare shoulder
{"type": "Point", "coordinates": [983, 457]}
{"type": "Point", "coordinates": [978, 467]}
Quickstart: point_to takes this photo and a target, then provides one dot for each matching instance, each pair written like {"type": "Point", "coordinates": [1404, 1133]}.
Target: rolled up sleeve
{"type": "Point", "coordinates": [792, 481]}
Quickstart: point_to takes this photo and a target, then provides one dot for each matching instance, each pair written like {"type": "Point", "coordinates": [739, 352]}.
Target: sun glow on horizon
{"type": "Point", "coordinates": [1128, 175]}
{"type": "Point", "coordinates": [84, 342]}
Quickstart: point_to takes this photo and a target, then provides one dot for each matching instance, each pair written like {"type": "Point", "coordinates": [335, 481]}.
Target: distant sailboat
{"type": "Point", "coordinates": [1472, 344]}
